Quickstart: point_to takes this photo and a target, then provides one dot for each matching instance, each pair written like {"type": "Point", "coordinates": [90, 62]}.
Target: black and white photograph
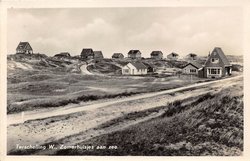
{"type": "Point", "coordinates": [125, 81]}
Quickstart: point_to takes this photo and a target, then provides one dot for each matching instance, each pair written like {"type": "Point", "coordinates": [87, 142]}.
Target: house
{"type": "Point", "coordinates": [98, 55]}
{"type": "Point", "coordinates": [191, 68]}
{"type": "Point", "coordinates": [134, 54]}
{"type": "Point", "coordinates": [150, 68]}
{"type": "Point", "coordinates": [87, 53]}
{"type": "Point", "coordinates": [191, 56]}
{"type": "Point", "coordinates": [24, 48]}
{"type": "Point", "coordinates": [62, 55]}
{"type": "Point", "coordinates": [117, 56]}
{"type": "Point", "coordinates": [134, 68]}
{"type": "Point", "coordinates": [216, 65]}
{"type": "Point", "coordinates": [156, 55]}
{"type": "Point", "coordinates": [173, 56]}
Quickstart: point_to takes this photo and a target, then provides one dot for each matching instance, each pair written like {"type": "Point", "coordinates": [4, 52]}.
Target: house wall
{"type": "Point", "coordinates": [134, 56]}
{"type": "Point", "coordinates": [24, 51]}
{"type": "Point", "coordinates": [129, 69]}
{"type": "Point", "coordinates": [126, 70]}
{"type": "Point", "coordinates": [186, 70]}
{"type": "Point", "coordinates": [160, 56]}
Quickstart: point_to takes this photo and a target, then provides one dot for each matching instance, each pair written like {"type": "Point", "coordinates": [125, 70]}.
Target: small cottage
{"type": "Point", "coordinates": [173, 56]}
{"type": "Point", "coordinates": [156, 55]}
{"type": "Point", "coordinates": [191, 68]}
{"type": "Point", "coordinates": [87, 53]}
{"type": "Point", "coordinates": [134, 54]}
{"type": "Point", "coordinates": [98, 55]}
{"type": "Point", "coordinates": [216, 65]}
{"type": "Point", "coordinates": [117, 56]}
{"type": "Point", "coordinates": [24, 48]}
{"type": "Point", "coordinates": [134, 68]}
{"type": "Point", "coordinates": [191, 56]}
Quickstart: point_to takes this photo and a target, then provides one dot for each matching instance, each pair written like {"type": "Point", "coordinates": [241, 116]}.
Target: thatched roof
{"type": "Point", "coordinates": [23, 46]}
{"type": "Point", "coordinates": [221, 54]}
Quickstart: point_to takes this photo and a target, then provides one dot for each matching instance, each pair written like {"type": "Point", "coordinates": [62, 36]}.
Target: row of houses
{"type": "Point", "coordinates": [89, 53]}
{"type": "Point", "coordinates": [216, 65]}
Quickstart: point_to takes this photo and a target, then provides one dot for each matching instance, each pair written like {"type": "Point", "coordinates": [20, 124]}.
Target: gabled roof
{"type": "Point", "coordinates": [221, 54]}
{"type": "Point", "coordinates": [138, 65]}
{"type": "Point", "coordinates": [156, 53]}
{"type": "Point", "coordinates": [87, 51]}
{"type": "Point", "coordinates": [117, 55]}
{"type": "Point", "coordinates": [134, 52]}
{"type": "Point", "coordinates": [194, 64]}
{"type": "Point", "coordinates": [23, 45]}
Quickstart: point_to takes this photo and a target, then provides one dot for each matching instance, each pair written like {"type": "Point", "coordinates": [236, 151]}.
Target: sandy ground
{"type": "Point", "coordinates": [73, 125]}
{"type": "Point", "coordinates": [12, 65]}
{"type": "Point", "coordinates": [84, 70]}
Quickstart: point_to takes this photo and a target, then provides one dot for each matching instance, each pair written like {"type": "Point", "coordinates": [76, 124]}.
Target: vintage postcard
{"type": "Point", "coordinates": [110, 79]}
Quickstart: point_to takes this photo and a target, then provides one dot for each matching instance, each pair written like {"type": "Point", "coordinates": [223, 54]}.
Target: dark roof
{"type": "Point", "coordinates": [138, 65]}
{"type": "Point", "coordinates": [156, 53]}
{"type": "Point", "coordinates": [87, 51]}
{"type": "Point", "coordinates": [117, 54]}
{"type": "Point", "coordinates": [63, 54]}
{"type": "Point", "coordinates": [195, 64]}
{"type": "Point", "coordinates": [98, 53]}
{"type": "Point", "coordinates": [134, 52]}
{"type": "Point", "coordinates": [23, 45]}
{"type": "Point", "coordinates": [221, 55]}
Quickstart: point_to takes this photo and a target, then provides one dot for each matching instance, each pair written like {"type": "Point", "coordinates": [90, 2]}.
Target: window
{"type": "Point", "coordinates": [214, 60]}
{"type": "Point", "coordinates": [214, 71]}
{"type": "Point", "coordinates": [192, 70]}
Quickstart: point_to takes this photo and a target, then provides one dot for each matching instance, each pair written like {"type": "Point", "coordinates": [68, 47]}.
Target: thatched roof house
{"type": "Point", "coordinates": [117, 56]}
{"type": "Point", "coordinates": [156, 55]}
{"type": "Point", "coordinates": [87, 53]}
{"type": "Point", "coordinates": [98, 55]}
{"type": "Point", "coordinates": [134, 54]}
{"type": "Point", "coordinates": [24, 48]}
{"type": "Point", "coordinates": [173, 56]}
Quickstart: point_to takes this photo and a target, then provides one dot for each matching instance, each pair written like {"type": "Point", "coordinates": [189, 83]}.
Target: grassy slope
{"type": "Point", "coordinates": [211, 126]}
{"type": "Point", "coordinates": [51, 84]}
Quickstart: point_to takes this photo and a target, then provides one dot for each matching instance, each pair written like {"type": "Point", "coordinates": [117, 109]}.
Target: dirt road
{"type": "Point", "coordinates": [84, 70]}
{"type": "Point", "coordinates": [72, 125]}
{"type": "Point", "coordinates": [31, 115]}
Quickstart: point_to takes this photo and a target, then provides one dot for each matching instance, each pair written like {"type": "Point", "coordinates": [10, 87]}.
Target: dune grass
{"type": "Point", "coordinates": [211, 125]}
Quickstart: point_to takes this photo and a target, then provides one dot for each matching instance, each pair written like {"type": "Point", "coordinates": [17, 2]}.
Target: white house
{"type": "Point", "coordinates": [191, 68]}
{"type": "Point", "coordinates": [134, 68]}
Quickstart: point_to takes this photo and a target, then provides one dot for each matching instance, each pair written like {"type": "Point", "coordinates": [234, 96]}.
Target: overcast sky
{"type": "Point", "coordinates": [182, 30]}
